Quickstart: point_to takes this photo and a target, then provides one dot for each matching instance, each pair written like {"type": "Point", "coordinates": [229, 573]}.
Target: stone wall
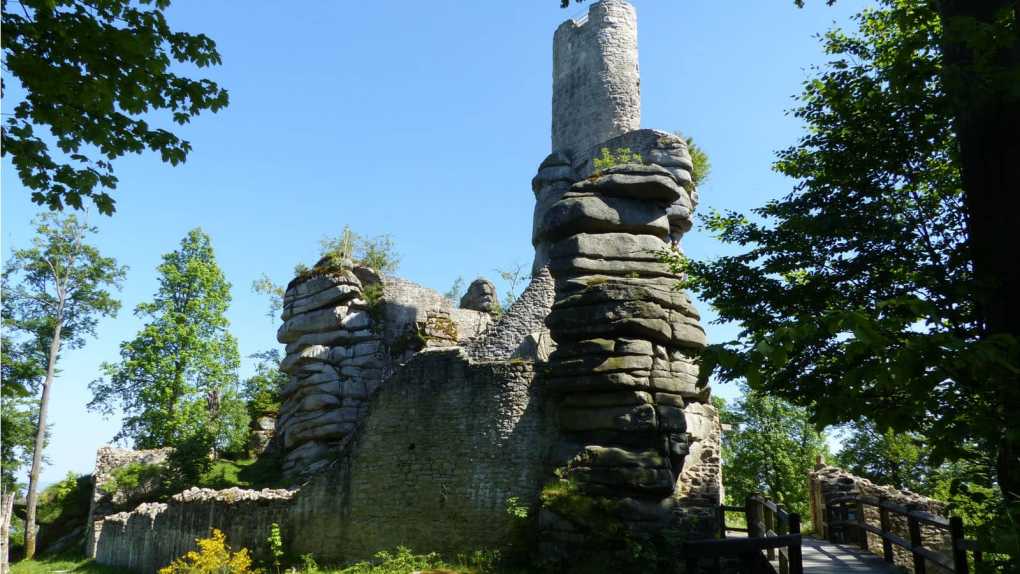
{"type": "Point", "coordinates": [346, 331]}
{"type": "Point", "coordinates": [446, 443]}
{"type": "Point", "coordinates": [103, 504]}
{"type": "Point", "coordinates": [154, 534]}
{"type": "Point", "coordinates": [596, 82]}
{"type": "Point", "coordinates": [522, 324]}
{"type": "Point", "coordinates": [829, 482]}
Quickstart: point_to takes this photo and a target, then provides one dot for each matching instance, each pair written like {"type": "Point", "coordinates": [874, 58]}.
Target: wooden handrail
{"type": "Point", "coordinates": [837, 516]}
{"type": "Point", "coordinates": [772, 533]}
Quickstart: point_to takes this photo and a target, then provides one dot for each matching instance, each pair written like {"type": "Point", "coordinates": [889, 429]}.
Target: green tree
{"type": "Point", "coordinates": [856, 292]}
{"type": "Point", "coordinates": [887, 457]}
{"type": "Point", "coordinates": [19, 383]}
{"type": "Point", "coordinates": [770, 448]}
{"type": "Point", "coordinates": [55, 292]}
{"type": "Point", "coordinates": [177, 379]}
{"type": "Point", "coordinates": [261, 391]}
{"type": "Point", "coordinates": [93, 73]}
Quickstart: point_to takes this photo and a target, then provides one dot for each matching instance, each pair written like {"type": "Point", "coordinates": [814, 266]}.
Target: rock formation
{"type": "Point", "coordinates": [480, 296]}
{"type": "Point", "coordinates": [411, 422]}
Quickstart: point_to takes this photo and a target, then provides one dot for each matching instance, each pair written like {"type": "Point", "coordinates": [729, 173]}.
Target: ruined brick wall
{"type": "Point", "coordinates": [103, 504]}
{"type": "Point", "coordinates": [524, 319]}
{"type": "Point", "coordinates": [445, 444]}
{"type": "Point", "coordinates": [154, 534]}
{"type": "Point", "coordinates": [596, 81]}
{"type": "Point", "coordinates": [342, 344]}
{"type": "Point", "coordinates": [829, 482]}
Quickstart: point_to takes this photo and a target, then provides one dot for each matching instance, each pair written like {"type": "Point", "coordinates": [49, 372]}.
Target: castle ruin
{"type": "Point", "coordinates": [410, 421]}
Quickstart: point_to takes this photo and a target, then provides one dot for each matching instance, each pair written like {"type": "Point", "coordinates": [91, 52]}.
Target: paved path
{"type": "Point", "coordinates": [824, 557]}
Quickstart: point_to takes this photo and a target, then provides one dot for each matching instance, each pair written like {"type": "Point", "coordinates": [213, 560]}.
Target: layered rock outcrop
{"type": "Point", "coordinates": [625, 368]}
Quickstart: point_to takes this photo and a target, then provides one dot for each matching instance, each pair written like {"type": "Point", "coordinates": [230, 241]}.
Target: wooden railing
{"type": "Point", "coordinates": [846, 514]}
{"type": "Point", "coordinates": [771, 532]}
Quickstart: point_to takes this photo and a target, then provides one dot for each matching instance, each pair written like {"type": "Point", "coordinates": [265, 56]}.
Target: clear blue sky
{"type": "Point", "coordinates": [423, 120]}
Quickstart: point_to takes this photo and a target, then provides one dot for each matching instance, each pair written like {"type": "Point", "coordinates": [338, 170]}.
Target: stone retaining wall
{"type": "Point", "coordinates": [103, 504]}
{"type": "Point", "coordinates": [829, 482]}
{"type": "Point", "coordinates": [154, 534]}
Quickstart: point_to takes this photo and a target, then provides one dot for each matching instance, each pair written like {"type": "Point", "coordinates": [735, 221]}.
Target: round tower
{"type": "Point", "coordinates": [596, 84]}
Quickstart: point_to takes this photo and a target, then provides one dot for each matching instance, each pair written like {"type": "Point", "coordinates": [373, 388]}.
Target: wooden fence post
{"type": "Point", "coordinates": [722, 521]}
{"type": "Point", "coordinates": [916, 542]}
{"type": "Point", "coordinates": [770, 524]}
{"type": "Point", "coordinates": [883, 513]}
{"type": "Point", "coordinates": [861, 521]}
{"type": "Point", "coordinates": [960, 565]}
{"type": "Point", "coordinates": [793, 552]}
{"type": "Point", "coordinates": [752, 510]}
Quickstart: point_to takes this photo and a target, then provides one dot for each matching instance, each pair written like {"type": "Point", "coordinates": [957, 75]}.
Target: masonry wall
{"type": "Point", "coordinates": [829, 482]}
{"type": "Point", "coordinates": [445, 445]}
{"type": "Point", "coordinates": [103, 504]}
{"type": "Point", "coordinates": [154, 534]}
{"type": "Point", "coordinates": [596, 81]}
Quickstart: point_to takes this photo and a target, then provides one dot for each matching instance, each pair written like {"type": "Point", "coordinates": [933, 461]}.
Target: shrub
{"type": "Point", "coordinates": [702, 166]}
{"type": "Point", "coordinates": [378, 252]}
{"type": "Point", "coordinates": [130, 476]}
{"type": "Point", "coordinates": [212, 557]}
{"type": "Point", "coordinates": [403, 560]}
{"type": "Point", "coordinates": [619, 156]}
{"type": "Point", "coordinates": [189, 461]}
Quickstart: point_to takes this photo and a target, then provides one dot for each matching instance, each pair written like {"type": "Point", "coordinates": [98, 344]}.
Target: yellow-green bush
{"type": "Point", "coordinates": [212, 557]}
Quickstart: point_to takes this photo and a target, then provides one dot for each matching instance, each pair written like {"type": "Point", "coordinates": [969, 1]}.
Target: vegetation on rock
{"type": "Point", "coordinates": [612, 158]}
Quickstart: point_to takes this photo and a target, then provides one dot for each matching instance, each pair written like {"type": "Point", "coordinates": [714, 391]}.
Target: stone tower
{"type": "Point", "coordinates": [596, 86]}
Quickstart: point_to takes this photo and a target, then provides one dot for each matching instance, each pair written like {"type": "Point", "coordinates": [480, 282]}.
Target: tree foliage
{"type": "Point", "coordinates": [20, 376]}
{"type": "Point", "coordinates": [770, 448]}
{"type": "Point", "coordinates": [177, 379]}
{"type": "Point", "coordinates": [855, 292]}
{"type": "Point", "coordinates": [261, 391]}
{"type": "Point", "coordinates": [901, 460]}
{"type": "Point", "coordinates": [54, 294]}
{"type": "Point", "coordinates": [92, 73]}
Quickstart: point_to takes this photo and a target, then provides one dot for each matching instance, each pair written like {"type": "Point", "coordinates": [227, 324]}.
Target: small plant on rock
{"type": "Point", "coordinates": [612, 158]}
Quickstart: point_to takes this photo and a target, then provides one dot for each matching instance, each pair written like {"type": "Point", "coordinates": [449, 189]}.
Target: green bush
{"type": "Point", "coordinates": [130, 477]}
{"type": "Point", "coordinates": [612, 158]}
{"type": "Point", "coordinates": [702, 166]}
{"type": "Point", "coordinates": [403, 560]}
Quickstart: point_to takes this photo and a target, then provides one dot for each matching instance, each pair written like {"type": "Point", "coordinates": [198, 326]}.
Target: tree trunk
{"type": "Point", "coordinates": [40, 442]}
{"type": "Point", "coordinates": [987, 123]}
{"type": "Point", "coordinates": [6, 511]}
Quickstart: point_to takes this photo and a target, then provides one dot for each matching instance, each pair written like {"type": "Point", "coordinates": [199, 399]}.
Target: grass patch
{"type": "Point", "coordinates": [76, 564]}
{"type": "Point", "coordinates": [403, 560]}
{"type": "Point", "coordinates": [254, 473]}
